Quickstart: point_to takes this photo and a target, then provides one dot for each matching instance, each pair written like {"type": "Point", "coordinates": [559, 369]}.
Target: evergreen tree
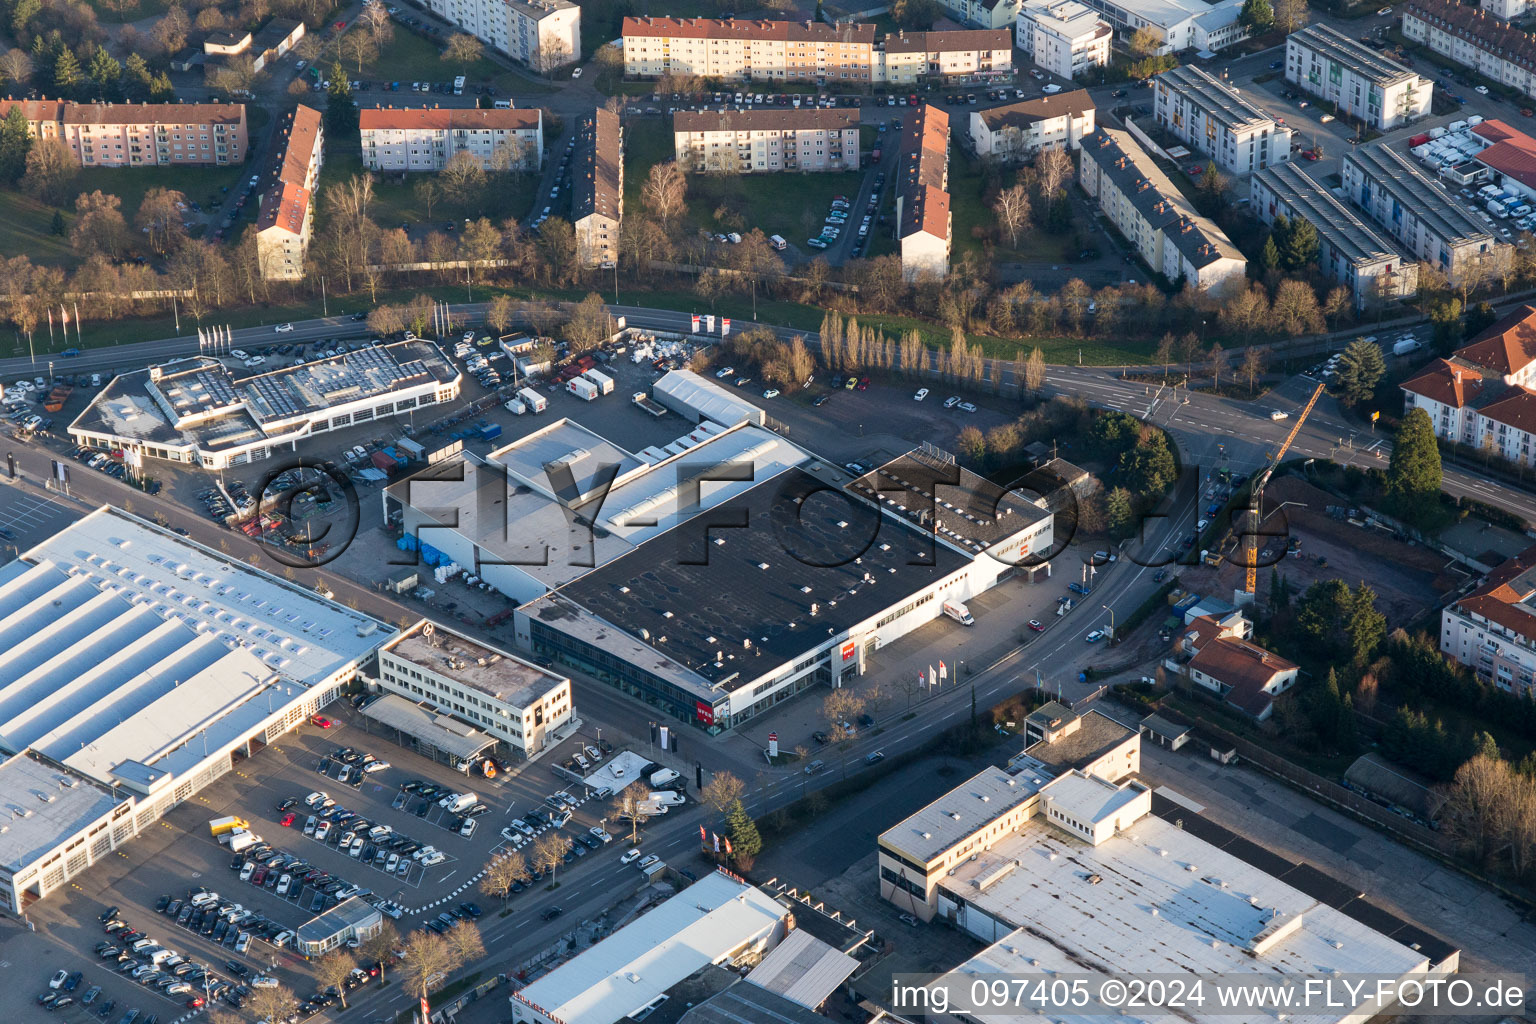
{"type": "Point", "coordinates": [1269, 256]}
{"type": "Point", "coordinates": [1414, 475]}
{"type": "Point", "coordinates": [1301, 246]}
{"type": "Point", "coordinates": [746, 841]}
{"type": "Point", "coordinates": [67, 76]}
{"type": "Point", "coordinates": [340, 108]}
{"type": "Point", "coordinates": [1148, 469]}
{"type": "Point", "coordinates": [160, 88]}
{"type": "Point", "coordinates": [57, 227]}
{"type": "Point", "coordinates": [1258, 15]}
{"type": "Point", "coordinates": [22, 13]}
{"type": "Point", "coordinates": [105, 72]}
{"type": "Point", "coordinates": [136, 76]}
{"type": "Point", "coordinates": [1478, 319]}
{"type": "Point", "coordinates": [1119, 514]}
{"type": "Point", "coordinates": [15, 144]}
{"type": "Point", "coordinates": [1361, 367]}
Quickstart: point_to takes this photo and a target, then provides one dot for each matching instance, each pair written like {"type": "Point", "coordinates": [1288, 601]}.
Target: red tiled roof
{"type": "Point", "coordinates": [1477, 26]}
{"type": "Point", "coordinates": [1495, 130]}
{"type": "Point", "coordinates": [742, 28]}
{"type": "Point", "coordinates": [1445, 383]}
{"type": "Point", "coordinates": [1517, 409]}
{"type": "Point", "coordinates": [1506, 347]}
{"type": "Point", "coordinates": [64, 112]}
{"type": "Point", "coordinates": [1244, 667]}
{"type": "Point", "coordinates": [922, 165]}
{"type": "Point", "coordinates": [284, 206]}
{"type": "Point", "coordinates": [303, 138]}
{"type": "Point", "coordinates": [447, 118]}
{"type": "Point", "coordinates": [1497, 599]}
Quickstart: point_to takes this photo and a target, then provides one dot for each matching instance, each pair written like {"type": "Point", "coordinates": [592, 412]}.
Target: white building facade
{"type": "Point", "coordinates": [1360, 82]}
{"type": "Point", "coordinates": [756, 141]}
{"type": "Point", "coordinates": [426, 138]}
{"type": "Point", "coordinates": [1020, 131]}
{"type": "Point", "coordinates": [1214, 118]}
{"type": "Point", "coordinates": [543, 34]}
{"type": "Point", "coordinates": [1476, 38]}
{"type": "Point", "coordinates": [1065, 37]}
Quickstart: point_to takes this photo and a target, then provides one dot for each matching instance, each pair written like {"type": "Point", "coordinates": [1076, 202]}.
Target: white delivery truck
{"type": "Point", "coordinates": [581, 388]}
{"type": "Point", "coordinates": [1405, 346]}
{"type": "Point", "coordinates": [602, 380]}
{"type": "Point", "coordinates": [959, 612]}
{"type": "Point", "coordinates": [515, 407]}
{"type": "Point", "coordinates": [663, 776]}
{"type": "Point", "coordinates": [242, 840]}
{"type": "Point", "coordinates": [533, 400]}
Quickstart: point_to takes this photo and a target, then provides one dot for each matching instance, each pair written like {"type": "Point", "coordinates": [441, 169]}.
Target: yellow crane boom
{"type": "Point", "coordinates": [1252, 546]}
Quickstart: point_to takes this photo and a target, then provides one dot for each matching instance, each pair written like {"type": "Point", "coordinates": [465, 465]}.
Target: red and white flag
{"type": "Point", "coordinates": [728, 852]}
{"type": "Point", "coordinates": [943, 671]}
{"type": "Point", "coordinates": [702, 838]}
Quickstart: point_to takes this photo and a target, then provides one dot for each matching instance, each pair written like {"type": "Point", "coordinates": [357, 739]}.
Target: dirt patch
{"type": "Point", "coordinates": [1408, 578]}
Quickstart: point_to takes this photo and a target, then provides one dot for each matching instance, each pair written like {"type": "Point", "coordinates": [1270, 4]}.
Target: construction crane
{"type": "Point", "coordinates": [1251, 561]}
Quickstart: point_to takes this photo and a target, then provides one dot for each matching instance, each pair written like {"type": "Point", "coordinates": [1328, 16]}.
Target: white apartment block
{"type": "Point", "coordinates": [543, 34]}
{"type": "Point", "coordinates": [1474, 38]}
{"type": "Point", "coordinates": [1350, 251]}
{"type": "Point", "coordinates": [982, 13]}
{"type": "Point", "coordinates": [1359, 81]}
{"type": "Point", "coordinates": [1019, 131]}
{"type": "Point", "coordinates": [1484, 395]}
{"type": "Point", "coordinates": [499, 693]}
{"type": "Point", "coordinates": [924, 227]}
{"type": "Point", "coordinates": [1151, 212]}
{"type": "Point", "coordinates": [1416, 210]}
{"type": "Point", "coordinates": [1181, 24]}
{"type": "Point", "coordinates": [285, 223]}
{"type": "Point", "coordinates": [758, 141]}
{"type": "Point", "coordinates": [597, 187]}
{"type": "Point", "coordinates": [1506, 9]}
{"type": "Point", "coordinates": [1064, 37]}
{"type": "Point", "coordinates": [1214, 118]}
{"type": "Point", "coordinates": [906, 58]}
{"type": "Point", "coordinates": [426, 138]}
{"type": "Point", "coordinates": [1492, 630]}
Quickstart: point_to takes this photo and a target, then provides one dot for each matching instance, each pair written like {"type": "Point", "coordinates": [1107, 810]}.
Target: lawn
{"type": "Point", "coordinates": [395, 201]}
{"type": "Point", "coordinates": [787, 204]}
{"type": "Point", "coordinates": [412, 58]}
{"type": "Point", "coordinates": [141, 9]}
{"type": "Point", "coordinates": [969, 211]}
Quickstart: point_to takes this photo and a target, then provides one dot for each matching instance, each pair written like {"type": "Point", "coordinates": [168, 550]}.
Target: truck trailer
{"type": "Point", "coordinates": [221, 826]}
{"type": "Point", "coordinates": [533, 400]}
{"type": "Point", "coordinates": [602, 380]}
{"type": "Point", "coordinates": [582, 388]}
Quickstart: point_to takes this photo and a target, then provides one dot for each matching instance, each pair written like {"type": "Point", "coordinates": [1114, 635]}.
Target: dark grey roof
{"type": "Point", "coordinates": [1345, 232]}
{"type": "Point", "coordinates": [597, 175]}
{"type": "Point", "coordinates": [727, 602]}
{"type": "Point", "coordinates": [746, 1003]}
{"type": "Point", "coordinates": [1093, 738]}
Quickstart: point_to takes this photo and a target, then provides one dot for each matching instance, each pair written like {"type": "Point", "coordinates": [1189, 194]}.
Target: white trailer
{"type": "Point", "coordinates": [581, 388]}
{"type": "Point", "coordinates": [602, 380]}
{"type": "Point", "coordinates": [533, 400]}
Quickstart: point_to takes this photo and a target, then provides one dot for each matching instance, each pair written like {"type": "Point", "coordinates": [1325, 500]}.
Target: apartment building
{"type": "Point", "coordinates": [1484, 395]}
{"type": "Point", "coordinates": [1181, 24]}
{"type": "Point", "coordinates": [597, 187]}
{"type": "Point", "coordinates": [1153, 214]}
{"type": "Point", "coordinates": [759, 141]}
{"type": "Point", "coordinates": [426, 138]}
{"type": "Point", "coordinates": [905, 58]}
{"type": "Point", "coordinates": [497, 692]}
{"type": "Point", "coordinates": [982, 13]}
{"type": "Point", "coordinates": [773, 51]}
{"type": "Point", "coordinates": [1476, 38]}
{"type": "Point", "coordinates": [140, 134]}
{"type": "Point", "coordinates": [1506, 9]}
{"type": "Point", "coordinates": [1360, 82]}
{"type": "Point", "coordinates": [1019, 131]}
{"type": "Point", "coordinates": [1351, 251]}
{"type": "Point", "coordinates": [1216, 119]}
{"type": "Point", "coordinates": [1417, 211]}
{"type": "Point", "coordinates": [285, 221]}
{"type": "Point", "coordinates": [543, 34]}
{"type": "Point", "coordinates": [923, 223]}
{"type": "Point", "coordinates": [1065, 37]}
{"type": "Point", "coordinates": [1492, 630]}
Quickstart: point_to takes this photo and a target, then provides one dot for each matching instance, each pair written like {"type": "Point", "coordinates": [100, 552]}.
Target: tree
{"type": "Point", "coordinates": [1258, 15]}
{"type": "Point", "coordinates": [1269, 256]}
{"type": "Point", "coordinates": [462, 176]}
{"type": "Point", "coordinates": [171, 30]}
{"type": "Point", "coordinates": [463, 50]}
{"type": "Point", "coordinates": [273, 1003]}
{"type": "Point", "coordinates": [386, 320]}
{"type": "Point", "coordinates": [503, 872]}
{"type": "Point", "coordinates": [1295, 309]}
{"type": "Point", "coordinates": [746, 841]}
{"type": "Point", "coordinates": [1212, 185]}
{"type": "Point", "coordinates": [67, 76]}
{"type": "Point", "coordinates": [479, 242]}
{"type": "Point", "coordinates": [1053, 167]}
{"type": "Point", "coordinates": [465, 943]}
{"type": "Point", "coordinates": [16, 66]}
{"type": "Point", "coordinates": [340, 107]}
{"type": "Point", "coordinates": [99, 225]}
{"type": "Point", "coordinates": [1164, 352]}
{"type": "Point", "coordinates": [1216, 363]}
{"type": "Point", "coordinates": [1119, 513]}
{"type": "Point", "coordinates": [159, 218]}
{"type": "Point", "coordinates": [1414, 475]}
{"type": "Point", "coordinates": [590, 324]}
{"type": "Point", "coordinates": [15, 144]}
{"type": "Point", "coordinates": [51, 170]}
{"type": "Point", "coordinates": [1290, 14]}
{"type": "Point", "coordinates": [359, 46]}
{"type": "Point", "coordinates": [428, 192]}
{"type": "Point", "coordinates": [1148, 468]}
{"type": "Point", "coordinates": [918, 15]}
{"type": "Point", "coordinates": [723, 790]}
{"type": "Point", "coordinates": [427, 959]}
{"type": "Point", "coordinates": [664, 191]}
{"type": "Point", "coordinates": [333, 970]}
{"type": "Point", "coordinates": [498, 315]}
{"type": "Point", "coordinates": [1477, 319]}
{"type": "Point", "coordinates": [1336, 624]}
{"type": "Point", "coordinates": [104, 71]}
{"type": "Point", "coordinates": [1146, 41]}
{"type": "Point", "coordinates": [1300, 246]}
{"type": "Point", "coordinates": [1253, 365]}
{"type": "Point", "coordinates": [378, 948]}
{"type": "Point", "coordinates": [1361, 367]}
{"type": "Point", "coordinates": [1013, 212]}
{"type": "Point", "coordinates": [630, 805]}
{"type": "Point", "coordinates": [1480, 805]}
{"type": "Point", "coordinates": [549, 851]}
{"type": "Point", "coordinates": [1034, 371]}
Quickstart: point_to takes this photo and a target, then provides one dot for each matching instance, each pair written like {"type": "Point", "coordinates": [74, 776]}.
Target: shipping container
{"type": "Point", "coordinates": [581, 388]}
{"type": "Point", "coordinates": [602, 380]}
{"type": "Point", "coordinates": [533, 400]}
{"type": "Point", "coordinates": [490, 431]}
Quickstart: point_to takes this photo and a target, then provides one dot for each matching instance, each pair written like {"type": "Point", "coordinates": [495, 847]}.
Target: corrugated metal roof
{"type": "Point", "coordinates": [804, 969]}
{"type": "Point", "coordinates": [706, 398]}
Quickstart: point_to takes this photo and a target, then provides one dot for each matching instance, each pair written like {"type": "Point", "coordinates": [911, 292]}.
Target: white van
{"type": "Point", "coordinates": [778, 242]}
{"type": "Point", "coordinates": [959, 612]}
{"type": "Point", "coordinates": [503, 104]}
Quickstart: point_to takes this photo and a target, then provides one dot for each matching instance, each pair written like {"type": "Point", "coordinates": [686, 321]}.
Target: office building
{"type": "Point", "coordinates": [1492, 630]}
{"type": "Point", "coordinates": [543, 34]}
{"type": "Point", "coordinates": [497, 692]}
{"type": "Point", "coordinates": [924, 228]}
{"type": "Point", "coordinates": [1151, 212]}
{"type": "Point", "coordinates": [140, 134]}
{"type": "Point", "coordinates": [597, 187]}
{"type": "Point", "coordinates": [1065, 37]}
{"type": "Point", "coordinates": [1211, 116]}
{"type": "Point", "coordinates": [426, 138]}
{"type": "Point", "coordinates": [1360, 82]}
{"type": "Point", "coordinates": [198, 411]}
{"type": "Point", "coordinates": [766, 141]}
{"type": "Point", "coordinates": [285, 223]}
{"type": "Point", "coordinates": [1180, 24]}
{"type": "Point", "coordinates": [1350, 250]}
{"type": "Point", "coordinates": [140, 668]}
{"type": "Point", "coordinates": [1475, 38]}
{"type": "Point", "coordinates": [1418, 212]}
{"type": "Point", "coordinates": [1016, 132]}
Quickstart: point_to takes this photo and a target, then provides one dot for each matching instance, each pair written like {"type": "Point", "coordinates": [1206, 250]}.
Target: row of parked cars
{"type": "Point", "coordinates": [366, 841]}
{"type": "Point", "coordinates": [140, 958]}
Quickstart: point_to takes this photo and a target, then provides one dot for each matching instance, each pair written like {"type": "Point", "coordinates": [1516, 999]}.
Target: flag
{"type": "Point", "coordinates": [921, 679]}
{"type": "Point", "coordinates": [943, 671]}
{"type": "Point", "coordinates": [728, 852]}
{"type": "Point", "coordinates": [717, 841]}
{"type": "Point", "coordinates": [931, 679]}
{"type": "Point", "coordinates": [702, 838]}
{"type": "Point", "coordinates": [63, 314]}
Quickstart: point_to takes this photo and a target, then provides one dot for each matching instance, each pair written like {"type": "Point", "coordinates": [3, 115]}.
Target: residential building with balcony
{"type": "Point", "coordinates": [543, 34]}
{"type": "Point", "coordinates": [140, 134]}
{"type": "Point", "coordinates": [906, 58]}
{"type": "Point", "coordinates": [426, 138]}
{"type": "Point", "coordinates": [286, 218]}
{"type": "Point", "coordinates": [924, 227]}
{"type": "Point", "coordinates": [1150, 211]}
{"type": "Point", "coordinates": [1018, 131]}
{"type": "Point", "coordinates": [1351, 252]}
{"type": "Point", "coordinates": [751, 50]}
{"type": "Point", "coordinates": [1065, 37]}
{"type": "Point", "coordinates": [597, 187]}
{"type": "Point", "coordinates": [1475, 38]}
{"type": "Point", "coordinates": [1216, 119]}
{"type": "Point", "coordinates": [1492, 630]}
{"type": "Point", "coordinates": [766, 141]}
{"type": "Point", "coordinates": [982, 13]}
{"type": "Point", "coordinates": [1357, 80]}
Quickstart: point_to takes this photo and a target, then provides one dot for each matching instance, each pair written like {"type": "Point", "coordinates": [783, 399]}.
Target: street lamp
{"type": "Point", "coordinates": [1111, 620]}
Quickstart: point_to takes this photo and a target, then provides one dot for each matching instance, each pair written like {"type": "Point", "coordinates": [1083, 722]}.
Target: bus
{"type": "Point", "coordinates": [458, 86]}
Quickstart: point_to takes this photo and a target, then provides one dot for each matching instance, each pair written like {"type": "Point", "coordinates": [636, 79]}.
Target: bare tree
{"type": "Point", "coordinates": [590, 324]}
{"type": "Point", "coordinates": [386, 320]}
{"type": "Point", "coordinates": [722, 791]}
{"type": "Point", "coordinates": [51, 169]}
{"type": "Point", "coordinates": [498, 315]}
{"type": "Point", "coordinates": [16, 66]}
{"type": "Point", "coordinates": [273, 1003]}
{"type": "Point", "coordinates": [463, 50]}
{"type": "Point", "coordinates": [1216, 363]}
{"type": "Point", "coordinates": [549, 851]}
{"type": "Point", "coordinates": [333, 970]}
{"type": "Point", "coordinates": [465, 943]}
{"type": "Point", "coordinates": [427, 959]}
{"type": "Point", "coordinates": [1034, 371]}
{"type": "Point", "coordinates": [1052, 168]}
{"type": "Point", "coordinates": [630, 804]}
{"type": "Point", "coordinates": [1479, 804]}
{"type": "Point", "coordinates": [159, 217]}
{"type": "Point", "coordinates": [462, 176]}
{"type": "Point", "coordinates": [360, 47]}
{"type": "Point", "coordinates": [1253, 366]}
{"type": "Point", "coordinates": [664, 191]}
{"type": "Point", "coordinates": [501, 873]}
{"type": "Point", "coordinates": [428, 192]}
{"type": "Point", "coordinates": [1290, 14]}
{"type": "Point", "coordinates": [1012, 209]}
{"type": "Point", "coordinates": [379, 947]}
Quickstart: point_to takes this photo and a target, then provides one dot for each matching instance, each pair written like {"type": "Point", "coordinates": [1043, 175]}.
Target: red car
{"type": "Point", "coordinates": [340, 25]}
{"type": "Point", "coordinates": [864, 384]}
{"type": "Point", "coordinates": [195, 1002]}
{"type": "Point", "coordinates": [1035, 625]}
{"type": "Point", "coordinates": [321, 721]}
{"type": "Point", "coordinates": [286, 820]}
